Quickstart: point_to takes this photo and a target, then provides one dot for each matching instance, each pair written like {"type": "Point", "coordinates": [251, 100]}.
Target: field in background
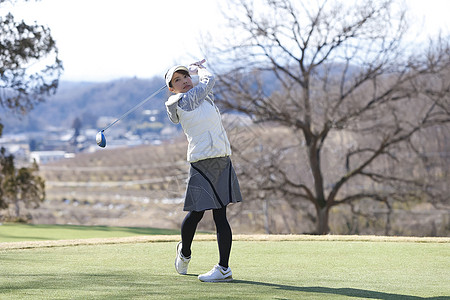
{"type": "Point", "coordinates": [133, 187]}
{"type": "Point", "coordinates": [143, 187]}
{"type": "Point", "coordinates": [264, 267]}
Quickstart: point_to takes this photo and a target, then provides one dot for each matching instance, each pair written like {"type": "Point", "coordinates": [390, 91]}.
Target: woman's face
{"type": "Point", "coordinates": [181, 83]}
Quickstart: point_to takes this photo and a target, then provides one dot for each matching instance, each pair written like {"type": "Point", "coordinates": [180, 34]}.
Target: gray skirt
{"type": "Point", "coordinates": [212, 184]}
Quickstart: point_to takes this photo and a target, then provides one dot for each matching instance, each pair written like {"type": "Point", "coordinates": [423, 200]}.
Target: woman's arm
{"type": "Point", "coordinates": [194, 97]}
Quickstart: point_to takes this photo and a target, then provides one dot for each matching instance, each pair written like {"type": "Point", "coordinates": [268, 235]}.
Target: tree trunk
{"type": "Point", "coordinates": [322, 220]}
{"type": "Point", "coordinates": [266, 216]}
{"type": "Point", "coordinates": [17, 208]}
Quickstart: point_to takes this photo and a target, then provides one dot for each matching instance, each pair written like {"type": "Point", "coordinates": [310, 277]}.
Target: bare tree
{"type": "Point", "coordinates": [345, 83]}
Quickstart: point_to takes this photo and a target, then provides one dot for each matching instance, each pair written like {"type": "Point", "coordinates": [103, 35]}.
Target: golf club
{"type": "Point", "coordinates": [100, 137]}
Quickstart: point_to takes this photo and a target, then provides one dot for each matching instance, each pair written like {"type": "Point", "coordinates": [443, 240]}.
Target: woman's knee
{"type": "Point", "coordinates": [196, 216]}
{"type": "Point", "coordinates": [220, 215]}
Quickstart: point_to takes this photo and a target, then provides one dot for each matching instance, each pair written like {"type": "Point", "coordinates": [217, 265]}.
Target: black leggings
{"type": "Point", "coordinates": [224, 235]}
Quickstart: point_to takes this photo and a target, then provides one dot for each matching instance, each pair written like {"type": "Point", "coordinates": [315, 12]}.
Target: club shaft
{"type": "Point", "coordinates": [135, 107]}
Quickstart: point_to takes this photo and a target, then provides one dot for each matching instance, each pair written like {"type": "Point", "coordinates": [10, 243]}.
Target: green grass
{"type": "Point", "coordinates": [297, 269]}
{"type": "Point", "coordinates": [27, 232]}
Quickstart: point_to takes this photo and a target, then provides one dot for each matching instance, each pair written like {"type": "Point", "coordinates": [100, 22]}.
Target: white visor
{"type": "Point", "coordinates": [172, 71]}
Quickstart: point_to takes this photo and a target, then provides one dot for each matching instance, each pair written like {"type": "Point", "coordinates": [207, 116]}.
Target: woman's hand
{"type": "Point", "coordinates": [193, 68]}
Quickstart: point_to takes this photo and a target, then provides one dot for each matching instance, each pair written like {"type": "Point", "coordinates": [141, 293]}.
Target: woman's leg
{"type": "Point", "coordinates": [224, 235]}
{"type": "Point", "coordinates": [188, 228]}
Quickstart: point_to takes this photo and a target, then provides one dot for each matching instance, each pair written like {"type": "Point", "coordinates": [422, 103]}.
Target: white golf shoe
{"type": "Point", "coordinates": [181, 263]}
{"type": "Point", "coordinates": [217, 274]}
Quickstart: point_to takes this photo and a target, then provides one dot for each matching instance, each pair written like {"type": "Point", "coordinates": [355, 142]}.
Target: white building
{"type": "Point", "coordinates": [43, 157]}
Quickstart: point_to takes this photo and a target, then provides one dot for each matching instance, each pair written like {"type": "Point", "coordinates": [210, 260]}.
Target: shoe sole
{"type": "Point", "coordinates": [178, 253]}
{"type": "Point", "coordinates": [228, 279]}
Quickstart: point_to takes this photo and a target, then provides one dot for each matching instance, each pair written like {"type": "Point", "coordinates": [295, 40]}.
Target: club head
{"type": "Point", "coordinates": [101, 140]}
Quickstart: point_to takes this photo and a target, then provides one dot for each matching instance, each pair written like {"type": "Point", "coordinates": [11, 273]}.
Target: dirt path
{"type": "Point", "coordinates": [212, 237]}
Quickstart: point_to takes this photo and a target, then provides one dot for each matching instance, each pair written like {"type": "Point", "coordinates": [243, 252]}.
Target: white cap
{"type": "Point", "coordinates": [172, 70]}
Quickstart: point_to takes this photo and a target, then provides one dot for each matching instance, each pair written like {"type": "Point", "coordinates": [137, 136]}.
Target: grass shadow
{"type": "Point", "coordinates": [80, 286]}
{"type": "Point", "coordinates": [349, 292]}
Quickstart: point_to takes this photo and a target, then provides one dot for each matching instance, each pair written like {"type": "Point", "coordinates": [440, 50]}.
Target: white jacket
{"type": "Point", "coordinates": [200, 119]}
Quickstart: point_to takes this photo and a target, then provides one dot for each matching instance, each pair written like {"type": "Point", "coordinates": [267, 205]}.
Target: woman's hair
{"type": "Point", "coordinates": [182, 72]}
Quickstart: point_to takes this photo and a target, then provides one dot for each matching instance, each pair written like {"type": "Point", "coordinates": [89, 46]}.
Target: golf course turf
{"type": "Point", "coordinates": [264, 267]}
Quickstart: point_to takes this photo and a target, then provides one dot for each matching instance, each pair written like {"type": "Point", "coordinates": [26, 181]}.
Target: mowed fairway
{"type": "Point", "coordinates": [264, 267]}
{"type": "Point", "coordinates": [27, 232]}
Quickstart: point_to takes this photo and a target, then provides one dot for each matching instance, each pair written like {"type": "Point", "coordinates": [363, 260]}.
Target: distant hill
{"type": "Point", "coordinates": [87, 101]}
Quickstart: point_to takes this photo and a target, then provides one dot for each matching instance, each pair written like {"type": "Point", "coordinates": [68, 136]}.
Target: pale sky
{"type": "Point", "coordinates": [100, 40]}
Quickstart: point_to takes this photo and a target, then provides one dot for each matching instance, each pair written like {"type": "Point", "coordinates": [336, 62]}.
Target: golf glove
{"type": "Point", "coordinates": [193, 68]}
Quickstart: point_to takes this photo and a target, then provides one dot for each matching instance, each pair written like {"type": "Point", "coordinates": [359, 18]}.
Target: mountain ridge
{"type": "Point", "coordinates": [86, 101]}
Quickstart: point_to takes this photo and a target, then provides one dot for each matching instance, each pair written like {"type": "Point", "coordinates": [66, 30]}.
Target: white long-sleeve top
{"type": "Point", "coordinates": [200, 119]}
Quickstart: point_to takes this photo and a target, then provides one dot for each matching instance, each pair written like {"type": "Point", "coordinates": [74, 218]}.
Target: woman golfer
{"type": "Point", "coordinates": [212, 182]}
